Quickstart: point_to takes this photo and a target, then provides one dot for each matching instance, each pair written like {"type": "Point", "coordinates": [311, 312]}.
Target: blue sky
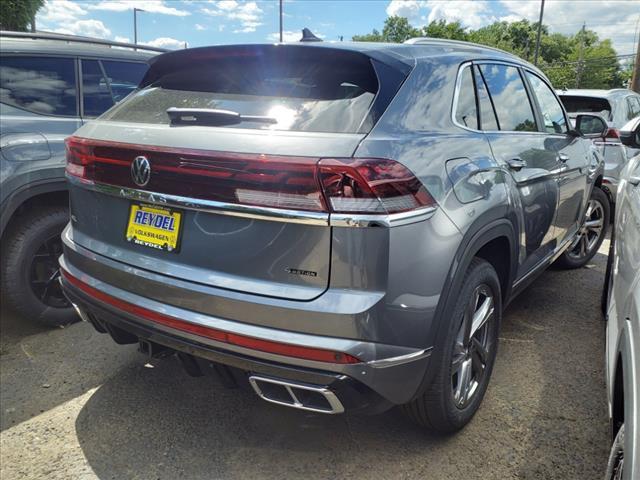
{"type": "Point", "coordinates": [171, 23]}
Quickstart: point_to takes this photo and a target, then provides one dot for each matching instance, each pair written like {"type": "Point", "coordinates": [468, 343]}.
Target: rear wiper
{"type": "Point", "coordinates": [212, 117]}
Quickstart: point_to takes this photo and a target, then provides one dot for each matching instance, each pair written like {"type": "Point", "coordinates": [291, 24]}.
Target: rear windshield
{"type": "Point", "coordinates": [318, 91]}
{"type": "Point", "coordinates": [575, 104]}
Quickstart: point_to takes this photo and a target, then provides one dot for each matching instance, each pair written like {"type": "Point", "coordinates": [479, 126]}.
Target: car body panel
{"type": "Point", "coordinates": [623, 313]}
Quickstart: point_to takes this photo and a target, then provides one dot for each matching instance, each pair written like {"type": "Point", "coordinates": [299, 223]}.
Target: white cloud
{"type": "Point", "coordinates": [87, 28]}
{"type": "Point", "coordinates": [55, 11]}
{"type": "Point", "coordinates": [118, 38]}
{"type": "Point", "coordinates": [151, 6]}
{"type": "Point", "coordinates": [200, 27]}
{"type": "Point", "coordinates": [248, 15]}
{"type": "Point", "coordinates": [166, 42]}
{"type": "Point", "coordinates": [473, 14]}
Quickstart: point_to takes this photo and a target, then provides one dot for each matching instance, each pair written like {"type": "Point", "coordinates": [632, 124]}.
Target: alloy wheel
{"type": "Point", "coordinates": [589, 234]}
{"type": "Point", "coordinates": [472, 346]}
{"type": "Point", "coordinates": [44, 274]}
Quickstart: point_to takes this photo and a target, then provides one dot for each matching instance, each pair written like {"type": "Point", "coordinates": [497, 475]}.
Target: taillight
{"type": "Point", "coordinates": [332, 185]}
{"type": "Point", "coordinates": [357, 185]}
{"type": "Point", "coordinates": [613, 133]}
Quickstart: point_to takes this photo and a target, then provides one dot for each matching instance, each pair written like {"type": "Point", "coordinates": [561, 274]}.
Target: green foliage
{"type": "Point", "coordinates": [17, 14]}
{"type": "Point", "coordinates": [581, 60]}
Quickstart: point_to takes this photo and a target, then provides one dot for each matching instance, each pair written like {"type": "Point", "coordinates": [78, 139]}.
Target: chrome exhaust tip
{"type": "Point", "coordinates": [296, 395]}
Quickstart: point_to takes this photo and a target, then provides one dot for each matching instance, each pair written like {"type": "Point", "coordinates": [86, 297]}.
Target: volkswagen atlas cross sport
{"type": "Point", "coordinates": [337, 226]}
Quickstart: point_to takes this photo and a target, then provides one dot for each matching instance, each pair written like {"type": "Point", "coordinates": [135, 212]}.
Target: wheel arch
{"type": "Point", "coordinates": [51, 192]}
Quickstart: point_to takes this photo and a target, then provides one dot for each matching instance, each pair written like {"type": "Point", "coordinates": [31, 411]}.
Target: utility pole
{"type": "Point", "coordinates": [580, 58]}
{"type": "Point", "coordinates": [281, 21]}
{"type": "Point", "coordinates": [135, 24]}
{"type": "Point", "coordinates": [635, 77]}
{"type": "Point", "coordinates": [535, 57]}
{"type": "Point", "coordinates": [33, 23]}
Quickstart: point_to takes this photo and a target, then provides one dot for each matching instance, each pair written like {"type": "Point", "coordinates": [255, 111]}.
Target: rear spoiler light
{"type": "Point", "coordinates": [329, 185]}
{"type": "Point", "coordinates": [278, 348]}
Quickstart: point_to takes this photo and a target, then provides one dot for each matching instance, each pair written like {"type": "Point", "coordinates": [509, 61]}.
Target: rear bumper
{"type": "Point", "coordinates": [385, 375]}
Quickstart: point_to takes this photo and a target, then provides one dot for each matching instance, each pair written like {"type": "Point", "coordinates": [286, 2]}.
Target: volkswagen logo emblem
{"type": "Point", "coordinates": [140, 171]}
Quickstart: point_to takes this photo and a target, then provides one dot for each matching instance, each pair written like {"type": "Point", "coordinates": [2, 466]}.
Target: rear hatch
{"type": "Point", "coordinates": [209, 173]}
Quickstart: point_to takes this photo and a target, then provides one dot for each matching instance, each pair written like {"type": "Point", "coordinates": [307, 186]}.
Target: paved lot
{"type": "Point", "coordinates": [75, 405]}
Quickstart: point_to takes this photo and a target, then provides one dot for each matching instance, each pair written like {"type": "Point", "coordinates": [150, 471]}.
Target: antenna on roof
{"type": "Point", "coordinates": [308, 36]}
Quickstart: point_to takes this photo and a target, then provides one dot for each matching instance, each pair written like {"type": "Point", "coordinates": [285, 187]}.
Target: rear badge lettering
{"type": "Point", "coordinates": [305, 273]}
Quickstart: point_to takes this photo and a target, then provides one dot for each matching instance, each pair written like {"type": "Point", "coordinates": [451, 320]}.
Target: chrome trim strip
{"type": "Point", "coordinates": [393, 361]}
{"type": "Point", "coordinates": [211, 206]}
{"type": "Point", "coordinates": [388, 221]}
{"type": "Point", "coordinates": [256, 212]}
{"type": "Point", "coordinates": [332, 399]}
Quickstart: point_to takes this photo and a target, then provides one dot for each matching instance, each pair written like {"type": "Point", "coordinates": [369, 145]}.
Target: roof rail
{"type": "Point", "coordinates": [77, 39]}
{"type": "Point", "coordinates": [427, 40]}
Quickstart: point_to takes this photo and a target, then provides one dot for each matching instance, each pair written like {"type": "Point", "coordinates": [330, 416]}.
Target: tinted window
{"type": "Point", "coordinates": [39, 84]}
{"type": "Point", "coordinates": [466, 113]}
{"type": "Point", "coordinates": [100, 92]}
{"type": "Point", "coordinates": [574, 104]}
{"type": "Point", "coordinates": [510, 98]}
{"type": "Point", "coordinates": [552, 114]}
{"type": "Point", "coordinates": [328, 91]}
{"type": "Point", "coordinates": [633, 105]}
{"type": "Point", "coordinates": [487, 114]}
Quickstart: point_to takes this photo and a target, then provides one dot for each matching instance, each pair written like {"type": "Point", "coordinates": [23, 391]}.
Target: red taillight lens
{"type": "Point", "coordinates": [357, 185]}
{"type": "Point", "coordinates": [346, 185]}
{"type": "Point", "coordinates": [286, 349]}
{"type": "Point", "coordinates": [613, 133]}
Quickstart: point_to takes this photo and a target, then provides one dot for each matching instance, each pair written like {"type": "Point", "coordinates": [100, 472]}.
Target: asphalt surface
{"type": "Point", "coordinates": [74, 405]}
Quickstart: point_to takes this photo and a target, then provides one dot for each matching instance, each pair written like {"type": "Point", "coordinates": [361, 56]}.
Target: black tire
{"type": "Point", "coordinates": [35, 233]}
{"type": "Point", "coordinates": [615, 466]}
{"type": "Point", "coordinates": [574, 257]}
{"type": "Point", "coordinates": [437, 408]}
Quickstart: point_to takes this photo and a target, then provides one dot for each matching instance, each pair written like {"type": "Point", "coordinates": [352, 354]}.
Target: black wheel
{"type": "Point", "coordinates": [29, 276]}
{"type": "Point", "coordinates": [587, 241]}
{"type": "Point", "coordinates": [465, 363]}
{"type": "Point", "coordinates": [615, 466]}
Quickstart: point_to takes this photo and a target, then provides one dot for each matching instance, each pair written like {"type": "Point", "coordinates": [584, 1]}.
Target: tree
{"type": "Point", "coordinates": [395, 30]}
{"type": "Point", "coordinates": [582, 60]}
{"type": "Point", "coordinates": [18, 14]}
{"type": "Point", "coordinates": [442, 29]}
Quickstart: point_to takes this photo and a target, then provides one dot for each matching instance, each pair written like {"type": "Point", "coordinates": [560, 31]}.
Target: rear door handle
{"type": "Point", "coordinates": [516, 164]}
{"type": "Point", "coordinates": [563, 157]}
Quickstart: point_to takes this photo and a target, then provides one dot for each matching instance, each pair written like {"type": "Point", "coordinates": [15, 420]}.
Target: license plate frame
{"type": "Point", "coordinates": [149, 235]}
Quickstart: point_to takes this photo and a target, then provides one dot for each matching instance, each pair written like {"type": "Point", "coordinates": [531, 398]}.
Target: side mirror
{"type": "Point", "coordinates": [591, 126]}
{"type": "Point", "coordinates": [630, 134]}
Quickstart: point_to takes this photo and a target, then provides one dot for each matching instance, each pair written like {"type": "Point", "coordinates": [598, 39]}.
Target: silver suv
{"type": "Point", "coordinates": [50, 85]}
{"type": "Point", "coordinates": [337, 226]}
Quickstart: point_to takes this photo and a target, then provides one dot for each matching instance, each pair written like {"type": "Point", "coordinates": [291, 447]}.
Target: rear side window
{"type": "Point", "coordinates": [302, 89]}
{"type": "Point", "coordinates": [509, 98]}
{"type": "Point", "coordinates": [466, 112]}
{"type": "Point", "coordinates": [106, 82]}
{"type": "Point", "coordinates": [45, 85]}
{"type": "Point", "coordinates": [552, 114]}
{"type": "Point", "coordinates": [578, 104]}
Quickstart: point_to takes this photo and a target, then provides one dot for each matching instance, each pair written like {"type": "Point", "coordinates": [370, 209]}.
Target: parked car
{"type": "Point", "coordinates": [338, 226]}
{"type": "Point", "coordinates": [617, 106]}
{"type": "Point", "coordinates": [622, 311]}
{"type": "Point", "coordinates": [50, 85]}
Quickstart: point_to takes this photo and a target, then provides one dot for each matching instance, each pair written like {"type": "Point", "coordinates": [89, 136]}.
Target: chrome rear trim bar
{"type": "Point", "coordinates": [256, 212]}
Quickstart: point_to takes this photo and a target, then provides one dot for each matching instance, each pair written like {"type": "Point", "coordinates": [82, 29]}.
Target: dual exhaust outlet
{"type": "Point", "coordinates": [296, 395]}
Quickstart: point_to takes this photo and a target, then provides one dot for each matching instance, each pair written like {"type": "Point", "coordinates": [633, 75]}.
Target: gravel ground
{"type": "Point", "coordinates": [76, 406]}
